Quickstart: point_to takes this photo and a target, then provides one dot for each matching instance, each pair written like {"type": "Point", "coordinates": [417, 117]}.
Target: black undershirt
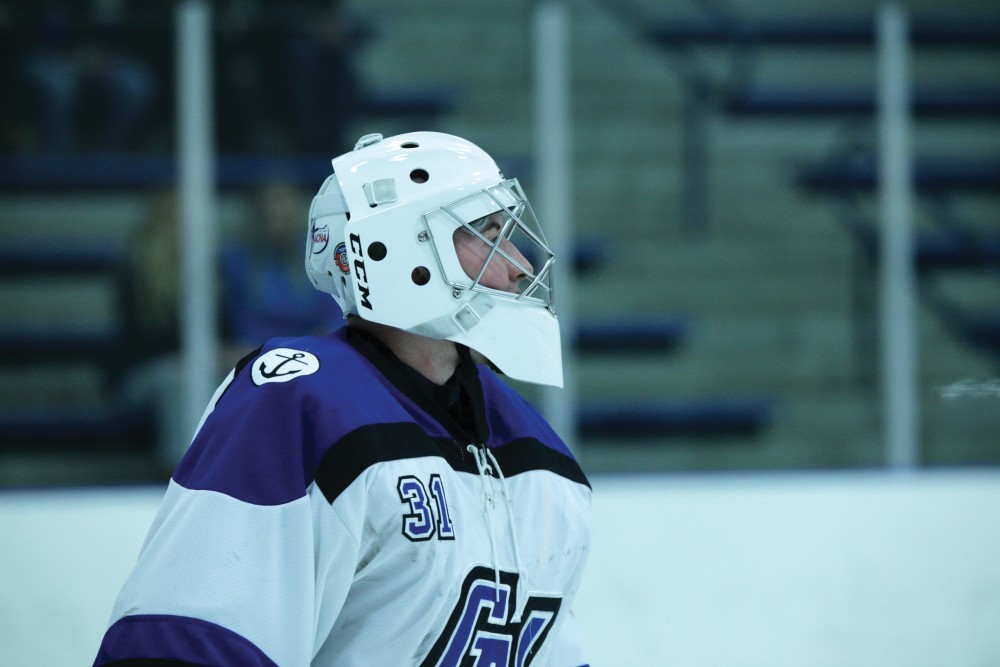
{"type": "Point", "coordinates": [457, 404]}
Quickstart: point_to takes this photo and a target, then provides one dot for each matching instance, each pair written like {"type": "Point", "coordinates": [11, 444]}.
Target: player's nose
{"type": "Point", "coordinates": [520, 268]}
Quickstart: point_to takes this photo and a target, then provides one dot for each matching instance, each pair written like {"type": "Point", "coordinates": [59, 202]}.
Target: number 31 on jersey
{"type": "Point", "coordinates": [428, 516]}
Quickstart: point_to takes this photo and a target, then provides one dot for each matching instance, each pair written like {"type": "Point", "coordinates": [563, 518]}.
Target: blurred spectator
{"type": "Point", "coordinates": [150, 310]}
{"type": "Point", "coordinates": [80, 91]}
{"type": "Point", "coordinates": [150, 281]}
{"type": "Point", "coordinates": [265, 291]}
{"type": "Point", "coordinates": [287, 76]}
{"type": "Point", "coordinates": [321, 86]}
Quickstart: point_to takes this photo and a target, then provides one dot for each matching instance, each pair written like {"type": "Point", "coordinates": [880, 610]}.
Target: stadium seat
{"type": "Point", "coordinates": [624, 335]}
{"type": "Point", "coordinates": [76, 426]}
{"type": "Point", "coordinates": [649, 417]}
{"type": "Point", "coordinates": [860, 172]}
{"type": "Point", "coordinates": [812, 99]}
{"type": "Point", "coordinates": [779, 30]}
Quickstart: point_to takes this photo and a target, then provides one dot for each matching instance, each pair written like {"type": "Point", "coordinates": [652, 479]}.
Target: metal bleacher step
{"type": "Point", "coordinates": [826, 29]}
{"type": "Point", "coordinates": [630, 334]}
{"type": "Point", "coordinates": [808, 99]}
{"type": "Point", "coordinates": [931, 173]}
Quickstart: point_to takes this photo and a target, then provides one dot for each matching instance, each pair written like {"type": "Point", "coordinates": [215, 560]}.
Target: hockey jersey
{"type": "Point", "coordinates": [329, 513]}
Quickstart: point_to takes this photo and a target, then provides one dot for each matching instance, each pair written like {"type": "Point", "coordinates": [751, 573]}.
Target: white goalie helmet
{"type": "Point", "coordinates": [382, 235]}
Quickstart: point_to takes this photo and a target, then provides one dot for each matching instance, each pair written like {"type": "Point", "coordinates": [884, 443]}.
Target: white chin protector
{"type": "Point", "coordinates": [383, 231]}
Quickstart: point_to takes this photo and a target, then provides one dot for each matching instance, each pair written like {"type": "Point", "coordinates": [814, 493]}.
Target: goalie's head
{"type": "Point", "coordinates": [422, 232]}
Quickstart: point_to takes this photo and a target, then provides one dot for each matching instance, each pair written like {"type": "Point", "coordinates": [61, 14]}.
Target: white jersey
{"type": "Point", "coordinates": [330, 514]}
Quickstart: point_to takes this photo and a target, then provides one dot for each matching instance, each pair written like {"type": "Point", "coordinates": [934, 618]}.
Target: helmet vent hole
{"type": "Point", "coordinates": [420, 275]}
{"type": "Point", "coordinates": [410, 144]}
{"type": "Point", "coordinates": [419, 176]}
{"type": "Point", "coordinates": [377, 251]}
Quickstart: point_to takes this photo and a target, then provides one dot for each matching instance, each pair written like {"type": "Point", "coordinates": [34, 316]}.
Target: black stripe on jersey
{"type": "Point", "coordinates": [379, 443]}
{"type": "Point", "coordinates": [240, 365]}
{"type": "Point", "coordinates": [529, 454]}
{"type": "Point", "coordinates": [362, 448]}
{"type": "Point", "coordinates": [247, 358]}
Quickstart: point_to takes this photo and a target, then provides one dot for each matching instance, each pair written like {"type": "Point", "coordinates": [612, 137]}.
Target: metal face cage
{"type": "Point", "coordinates": [500, 217]}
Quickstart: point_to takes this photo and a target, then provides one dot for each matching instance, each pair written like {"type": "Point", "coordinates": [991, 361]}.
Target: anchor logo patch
{"type": "Point", "coordinates": [283, 364]}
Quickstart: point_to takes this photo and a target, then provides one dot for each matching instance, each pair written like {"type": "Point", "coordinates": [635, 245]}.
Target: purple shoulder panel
{"type": "Point", "coordinates": [177, 639]}
{"type": "Point", "coordinates": [274, 423]}
{"type": "Point", "coordinates": [511, 417]}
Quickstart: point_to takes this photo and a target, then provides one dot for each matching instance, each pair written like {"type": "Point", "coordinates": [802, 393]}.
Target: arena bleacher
{"type": "Point", "coordinates": [657, 335]}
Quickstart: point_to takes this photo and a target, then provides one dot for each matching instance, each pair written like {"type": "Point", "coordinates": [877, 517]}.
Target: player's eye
{"type": "Point", "coordinates": [491, 229]}
{"type": "Point", "coordinates": [489, 226]}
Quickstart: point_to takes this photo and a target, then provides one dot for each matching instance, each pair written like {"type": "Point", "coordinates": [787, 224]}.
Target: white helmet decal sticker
{"type": "Point", "coordinates": [340, 257]}
{"type": "Point", "coordinates": [283, 364]}
{"type": "Point", "coordinates": [320, 239]}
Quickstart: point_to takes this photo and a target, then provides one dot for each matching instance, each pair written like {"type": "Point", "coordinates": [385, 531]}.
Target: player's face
{"type": "Point", "coordinates": [500, 273]}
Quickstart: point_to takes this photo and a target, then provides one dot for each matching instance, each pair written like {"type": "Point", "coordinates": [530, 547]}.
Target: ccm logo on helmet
{"type": "Point", "coordinates": [359, 271]}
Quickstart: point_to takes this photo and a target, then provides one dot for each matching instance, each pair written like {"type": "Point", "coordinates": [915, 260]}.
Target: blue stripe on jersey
{"type": "Point", "coordinates": [176, 640]}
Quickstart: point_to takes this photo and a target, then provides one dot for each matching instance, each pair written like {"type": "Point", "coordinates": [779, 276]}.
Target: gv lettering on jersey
{"type": "Point", "coordinates": [360, 274]}
{"type": "Point", "coordinates": [481, 630]}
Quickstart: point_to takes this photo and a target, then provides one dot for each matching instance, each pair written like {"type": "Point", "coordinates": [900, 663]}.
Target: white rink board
{"type": "Point", "coordinates": [65, 555]}
{"type": "Point", "coordinates": [770, 570]}
{"type": "Point", "coordinates": [867, 569]}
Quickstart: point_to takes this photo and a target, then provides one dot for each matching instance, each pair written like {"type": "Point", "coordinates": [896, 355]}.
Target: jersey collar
{"type": "Point", "coordinates": [457, 405]}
